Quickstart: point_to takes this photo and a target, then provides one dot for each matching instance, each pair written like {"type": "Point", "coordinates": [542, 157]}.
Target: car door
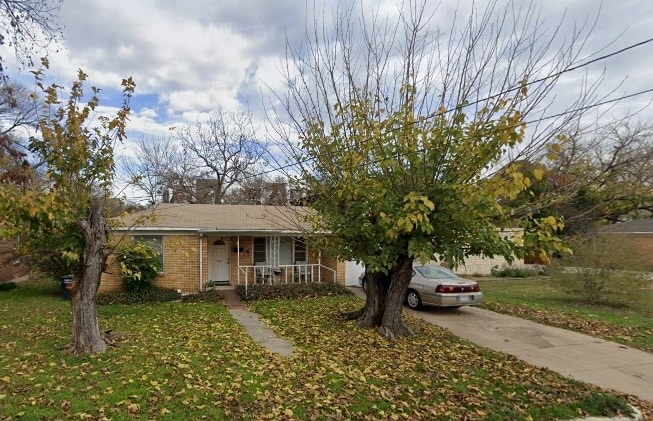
{"type": "Point", "coordinates": [417, 283]}
{"type": "Point", "coordinates": [435, 277]}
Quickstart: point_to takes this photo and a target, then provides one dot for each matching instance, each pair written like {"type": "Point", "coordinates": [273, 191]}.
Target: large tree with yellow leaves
{"type": "Point", "coordinates": [409, 135]}
{"type": "Point", "coordinates": [65, 214]}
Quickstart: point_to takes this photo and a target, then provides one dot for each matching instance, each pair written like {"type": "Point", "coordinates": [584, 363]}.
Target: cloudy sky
{"type": "Point", "coordinates": [190, 57]}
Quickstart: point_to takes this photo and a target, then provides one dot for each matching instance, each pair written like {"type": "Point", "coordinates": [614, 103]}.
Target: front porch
{"type": "Point", "coordinates": [255, 258]}
{"type": "Point", "coordinates": [271, 274]}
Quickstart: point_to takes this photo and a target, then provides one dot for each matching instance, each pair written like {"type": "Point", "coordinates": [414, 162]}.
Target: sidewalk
{"type": "Point", "coordinates": [254, 326]}
{"type": "Point", "coordinates": [582, 357]}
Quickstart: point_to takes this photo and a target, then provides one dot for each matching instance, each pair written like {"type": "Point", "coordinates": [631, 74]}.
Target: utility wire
{"type": "Point", "coordinates": [538, 120]}
{"type": "Point", "coordinates": [542, 79]}
{"type": "Point", "coordinates": [549, 117]}
{"type": "Point", "coordinates": [459, 107]}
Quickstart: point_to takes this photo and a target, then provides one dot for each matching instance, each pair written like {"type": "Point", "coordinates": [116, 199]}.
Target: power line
{"type": "Point", "coordinates": [542, 79]}
{"type": "Point", "coordinates": [282, 168]}
{"type": "Point", "coordinates": [587, 107]}
{"type": "Point", "coordinates": [538, 120]}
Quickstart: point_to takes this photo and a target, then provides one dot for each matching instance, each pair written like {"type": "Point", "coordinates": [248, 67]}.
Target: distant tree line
{"type": "Point", "coordinates": [218, 161]}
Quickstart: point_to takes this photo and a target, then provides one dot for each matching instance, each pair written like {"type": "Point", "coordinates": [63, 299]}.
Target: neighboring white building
{"type": "Point", "coordinates": [481, 265]}
{"type": "Point", "coordinates": [474, 265]}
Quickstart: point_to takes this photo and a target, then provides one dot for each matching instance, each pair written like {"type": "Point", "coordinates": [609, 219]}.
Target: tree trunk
{"type": "Point", "coordinates": [392, 325]}
{"type": "Point", "coordinates": [87, 337]}
{"type": "Point", "coordinates": [376, 286]}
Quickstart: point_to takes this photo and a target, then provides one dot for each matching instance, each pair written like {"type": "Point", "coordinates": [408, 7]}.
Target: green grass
{"type": "Point", "coordinates": [626, 318]}
{"type": "Point", "coordinates": [179, 360]}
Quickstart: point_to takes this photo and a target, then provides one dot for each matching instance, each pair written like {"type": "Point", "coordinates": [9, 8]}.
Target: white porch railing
{"type": "Point", "coordinates": [275, 274]}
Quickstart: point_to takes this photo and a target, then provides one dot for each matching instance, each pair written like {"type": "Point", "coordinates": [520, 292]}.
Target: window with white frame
{"type": "Point", "coordinates": [154, 241]}
{"type": "Point", "coordinates": [285, 251]}
{"type": "Point", "coordinates": [300, 250]}
{"type": "Point", "coordinates": [260, 250]}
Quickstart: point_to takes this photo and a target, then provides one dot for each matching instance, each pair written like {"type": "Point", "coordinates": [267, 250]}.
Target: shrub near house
{"type": "Point", "coordinates": [138, 265]}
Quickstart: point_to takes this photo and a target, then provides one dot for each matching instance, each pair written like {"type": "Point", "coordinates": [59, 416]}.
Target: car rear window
{"type": "Point", "coordinates": [434, 272]}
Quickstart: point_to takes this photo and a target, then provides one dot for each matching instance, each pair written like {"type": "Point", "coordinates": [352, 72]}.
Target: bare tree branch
{"type": "Point", "coordinates": [226, 150]}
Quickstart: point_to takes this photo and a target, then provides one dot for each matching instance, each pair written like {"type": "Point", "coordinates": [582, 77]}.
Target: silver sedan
{"type": "Point", "coordinates": [434, 285]}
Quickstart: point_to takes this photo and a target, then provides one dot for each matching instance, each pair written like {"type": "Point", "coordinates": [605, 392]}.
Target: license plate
{"type": "Point", "coordinates": [465, 298]}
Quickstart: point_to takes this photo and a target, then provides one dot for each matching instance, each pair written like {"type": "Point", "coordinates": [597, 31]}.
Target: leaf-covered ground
{"type": "Point", "coordinates": [629, 321]}
{"type": "Point", "coordinates": [193, 361]}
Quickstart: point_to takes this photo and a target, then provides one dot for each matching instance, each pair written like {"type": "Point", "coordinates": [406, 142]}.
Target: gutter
{"type": "Point", "coordinates": [207, 230]}
{"type": "Point", "coordinates": [154, 229]}
{"type": "Point", "coordinates": [628, 233]}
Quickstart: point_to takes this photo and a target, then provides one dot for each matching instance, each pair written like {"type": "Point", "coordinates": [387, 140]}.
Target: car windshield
{"type": "Point", "coordinates": [435, 272]}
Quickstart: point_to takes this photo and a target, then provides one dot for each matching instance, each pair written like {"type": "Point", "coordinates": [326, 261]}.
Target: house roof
{"type": "Point", "coordinates": [218, 218]}
{"type": "Point", "coordinates": [636, 226]}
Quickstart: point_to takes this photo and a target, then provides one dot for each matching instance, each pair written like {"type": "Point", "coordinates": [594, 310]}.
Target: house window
{"type": "Point", "coordinates": [285, 251]}
{"type": "Point", "coordinates": [260, 255]}
{"type": "Point", "coordinates": [156, 242]}
{"type": "Point", "coordinates": [300, 250]}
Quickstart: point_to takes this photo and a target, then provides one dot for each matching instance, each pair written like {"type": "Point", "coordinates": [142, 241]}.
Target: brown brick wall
{"type": "Point", "coordinates": [327, 275]}
{"type": "Point", "coordinates": [642, 246]}
{"type": "Point", "coordinates": [180, 263]}
{"type": "Point", "coordinates": [111, 280]}
{"type": "Point", "coordinates": [180, 266]}
{"type": "Point", "coordinates": [246, 258]}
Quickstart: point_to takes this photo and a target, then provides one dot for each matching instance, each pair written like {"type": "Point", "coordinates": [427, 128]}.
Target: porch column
{"type": "Point", "coordinates": [201, 262]}
{"type": "Point", "coordinates": [238, 257]}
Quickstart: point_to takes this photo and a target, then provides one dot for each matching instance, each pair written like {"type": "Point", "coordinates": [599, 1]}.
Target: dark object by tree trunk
{"type": "Point", "coordinates": [87, 337]}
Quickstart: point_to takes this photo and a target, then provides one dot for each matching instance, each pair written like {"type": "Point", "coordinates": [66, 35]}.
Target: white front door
{"type": "Point", "coordinates": [219, 270]}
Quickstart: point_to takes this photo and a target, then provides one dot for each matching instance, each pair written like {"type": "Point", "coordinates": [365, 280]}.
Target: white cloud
{"type": "Point", "coordinates": [192, 57]}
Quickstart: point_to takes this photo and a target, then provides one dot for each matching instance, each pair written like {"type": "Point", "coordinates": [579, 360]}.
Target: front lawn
{"type": "Point", "coordinates": [181, 360]}
{"type": "Point", "coordinates": [628, 320]}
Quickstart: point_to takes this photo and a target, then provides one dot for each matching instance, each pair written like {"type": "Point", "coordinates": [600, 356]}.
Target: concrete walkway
{"type": "Point", "coordinates": [586, 358]}
{"type": "Point", "coordinates": [254, 326]}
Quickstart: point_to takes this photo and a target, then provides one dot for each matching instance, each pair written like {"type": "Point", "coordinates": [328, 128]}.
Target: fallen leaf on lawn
{"type": "Point", "coordinates": [133, 409]}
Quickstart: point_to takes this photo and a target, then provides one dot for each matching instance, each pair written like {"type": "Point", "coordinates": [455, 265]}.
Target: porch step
{"type": "Point", "coordinates": [224, 287]}
{"type": "Point", "coordinates": [221, 284]}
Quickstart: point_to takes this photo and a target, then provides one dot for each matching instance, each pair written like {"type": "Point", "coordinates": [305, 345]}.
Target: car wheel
{"type": "Point", "coordinates": [364, 285]}
{"type": "Point", "coordinates": [413, 299]}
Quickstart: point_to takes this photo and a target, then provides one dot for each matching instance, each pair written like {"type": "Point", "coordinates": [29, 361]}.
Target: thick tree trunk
{"type": "Point", "coordinates": [87, 337]}
{"type": "Point", "coordinates": [392, 325]}
{"type": "Point", "coordinates": [385, 299]}
{"type": "Point", "coordinates": [376, 286]}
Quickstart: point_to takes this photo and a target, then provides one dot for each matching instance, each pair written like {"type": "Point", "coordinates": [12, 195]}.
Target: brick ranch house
{"type": "Point", "coordinates": [636, 238]}
{"type": "Point", "coordinates": [210, 245]}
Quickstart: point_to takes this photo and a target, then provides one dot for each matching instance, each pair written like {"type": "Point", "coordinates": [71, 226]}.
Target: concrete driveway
{"type": "Point", "coordinates": [582, 357]}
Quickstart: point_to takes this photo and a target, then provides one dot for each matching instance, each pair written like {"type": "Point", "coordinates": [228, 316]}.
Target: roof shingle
{"type": "Point", "coordinates": [644, 225]}
{"type": "Point", "coordinates": [219, 218]}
